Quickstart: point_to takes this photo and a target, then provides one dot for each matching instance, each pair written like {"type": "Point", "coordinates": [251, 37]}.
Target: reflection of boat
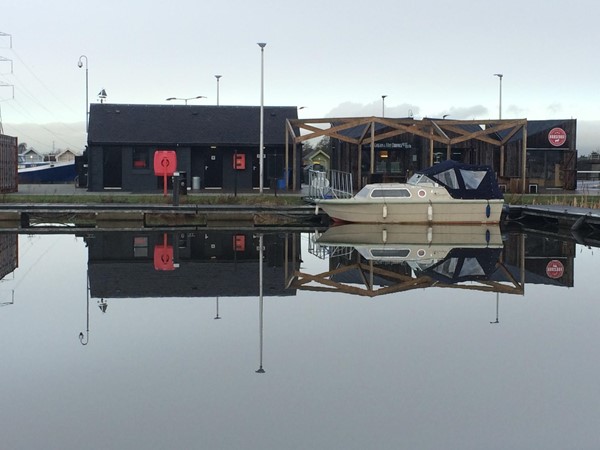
{"type": "Point", "coordinates": [449, 192]}
{"type": "Point", "coordinates": [46, 172]}
{"type": "Point", "coordinates": [416, 242]}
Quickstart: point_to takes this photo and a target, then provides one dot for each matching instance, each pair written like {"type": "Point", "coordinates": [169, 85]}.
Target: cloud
{"type": "Point", "coordinates": [351, 109]}
{"type": "Point", "coordinates": [466, 112]}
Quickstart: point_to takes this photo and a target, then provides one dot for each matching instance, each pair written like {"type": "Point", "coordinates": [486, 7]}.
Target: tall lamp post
{"type": "Point", "coordinates": [186, 99]}
{"type": "Point", "coordinates": [217, 77]}
{"type": "Point", "coordinates": [87, 112]}
{"type": "Point", "coordinates": [499, 75]}
{"type": "Point", "coordinates": [383, 105]}
{"type": "Point", "coordinates": [262, 119]}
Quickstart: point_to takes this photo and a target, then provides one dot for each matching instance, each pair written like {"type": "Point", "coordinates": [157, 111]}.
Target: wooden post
{"type": "Point", "coordinates": [524, 159]}
{"type": "Point", "coordinates": [431, 148]}
{"type": "Point", "coordinates": [372, 148]}
{"type": "Point", "coordinates": [501, 169]}
{"type": "Point", "coordinates": [359, 181]}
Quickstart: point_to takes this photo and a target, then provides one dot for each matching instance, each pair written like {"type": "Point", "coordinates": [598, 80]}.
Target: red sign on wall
{"type": "Point", "coordinates": [557, 137]}
{"type": "Point", "coordinates": [555, 269]}
{"type": "Point", "coordinates": [165, 162]}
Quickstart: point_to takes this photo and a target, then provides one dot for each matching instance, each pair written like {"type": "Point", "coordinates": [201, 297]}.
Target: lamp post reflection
{"type": "Point", "coordinates": [217, 316]}
{"type": "Point", "coordinates": [85, 338]}
{"type": "Point", "coordinates": [497, 307]}
{"type": "Point", "coordinates": [260, 300]}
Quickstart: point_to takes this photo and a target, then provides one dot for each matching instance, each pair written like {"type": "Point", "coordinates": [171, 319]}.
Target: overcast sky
{"type": "Point", "coordinates": [430, 58]}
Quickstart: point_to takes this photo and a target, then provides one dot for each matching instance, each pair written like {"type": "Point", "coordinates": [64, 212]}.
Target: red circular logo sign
{"type": "Point", "coordinates": [557, 137]}
{"type": "Point", "coordinates": [555, 269]}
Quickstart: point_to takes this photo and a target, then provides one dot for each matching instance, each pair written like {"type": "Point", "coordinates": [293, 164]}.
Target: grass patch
{"type": "Point", "coordinates": [579, 200]}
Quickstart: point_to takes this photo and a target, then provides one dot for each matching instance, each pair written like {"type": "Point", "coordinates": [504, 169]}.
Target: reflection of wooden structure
{"type": "Point", "coordinates": [399, 280]}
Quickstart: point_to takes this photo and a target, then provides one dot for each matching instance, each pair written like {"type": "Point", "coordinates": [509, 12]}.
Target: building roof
{"type": "Point", "coordinates": [186, 124]}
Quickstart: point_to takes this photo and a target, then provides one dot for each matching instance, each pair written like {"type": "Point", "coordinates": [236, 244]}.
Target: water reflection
{"type": "Point", "coordinates": [394, 258]}
{"type": "Point", "coordinates": [400, 363]}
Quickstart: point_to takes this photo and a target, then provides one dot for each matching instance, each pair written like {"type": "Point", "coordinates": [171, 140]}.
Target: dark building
{"type": "Point", "coordinates": [526, 155]}
{"type": "Point", "coordinates": [122, 140]}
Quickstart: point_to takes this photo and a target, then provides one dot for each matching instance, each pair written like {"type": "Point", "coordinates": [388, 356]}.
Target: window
{"type": "Point", "coordinates": [472, 178]}
{"type": "Point", "coordinates": [141, 157]}
{"type": "Point", "coordinates": [140, 247]}
{"type": "Point", "coordinates": [388, 193]}
{"type": "Point", "coordinates": [390, 252]}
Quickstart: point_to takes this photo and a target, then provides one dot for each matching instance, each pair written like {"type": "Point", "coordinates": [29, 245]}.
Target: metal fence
{"type": "Point", "coordinates": [331, 184]}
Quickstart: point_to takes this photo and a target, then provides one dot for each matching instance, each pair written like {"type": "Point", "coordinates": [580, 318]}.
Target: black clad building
{"type": "Point", "coordinates": [122, 140]}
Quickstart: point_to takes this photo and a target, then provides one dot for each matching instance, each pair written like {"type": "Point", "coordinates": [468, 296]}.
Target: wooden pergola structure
{"type": "Point", "coordinates": [366, 131]}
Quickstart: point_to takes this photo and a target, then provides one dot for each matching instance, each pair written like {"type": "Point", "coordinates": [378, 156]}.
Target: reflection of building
{"type": "Point", "coordinates": [206, 263]}
{"type": "Point", "coordinates": [9, 255]}
{"type": "Point", "coordinates": [547, 259]}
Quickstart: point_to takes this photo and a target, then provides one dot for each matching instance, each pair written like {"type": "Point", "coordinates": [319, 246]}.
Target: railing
{"type": "Point", "coordinates": [332, 184]}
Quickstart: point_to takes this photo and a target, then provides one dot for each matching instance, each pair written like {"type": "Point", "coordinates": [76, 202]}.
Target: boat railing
{"type": "Point", "coordinates": [331, 184]}
{"type": "Point", "coordinates": [322, 251]}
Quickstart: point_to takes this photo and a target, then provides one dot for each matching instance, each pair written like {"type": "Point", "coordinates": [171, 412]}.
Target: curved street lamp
{"type": "Point", "coordinates": [87, 112]}
{"type": "Point", "coordinates": [218, 77]}
{"type": "Point", "coordinates": [499, 75]}
{"type": "Point", "coordinates": [186, 99]}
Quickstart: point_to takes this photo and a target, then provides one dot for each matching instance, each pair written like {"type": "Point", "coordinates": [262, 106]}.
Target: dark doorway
{"type": "Point", "coordinates": [213, 169]}
{"type": "Point", "coordinates": [113, 168]}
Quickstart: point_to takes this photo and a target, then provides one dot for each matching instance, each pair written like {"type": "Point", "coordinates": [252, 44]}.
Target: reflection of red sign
{"type": "Point", "coordinates": [557, 137]}
{"type": "Point", "coordinates": [163, 256]}
{"type": "Point", "coordinates": [555, 269]}
{"type": "Point", "coordinates": [165, 162]}
{"type": "Point", "coordinates": [239, 161]}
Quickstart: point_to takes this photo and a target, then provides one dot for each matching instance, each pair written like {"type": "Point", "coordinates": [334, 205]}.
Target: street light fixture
{"type": "Point", "coordinates": [383, 105]}
{"type": "Point", "coordinates": [262, 119]}
{"type": "Point", "coordinates": [217, 77]}
{"type": "Point", "coordinates": [499, 75]}
{"type": "Point", "coordinates": [87, 112]}
{"type": "Point", "coordinates": [186, 99]}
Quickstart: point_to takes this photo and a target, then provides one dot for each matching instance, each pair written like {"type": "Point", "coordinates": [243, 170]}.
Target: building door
{"type": "Point", "coordinates": [213, 170]}
{"type": "Point", "coordinates": [112, 168]}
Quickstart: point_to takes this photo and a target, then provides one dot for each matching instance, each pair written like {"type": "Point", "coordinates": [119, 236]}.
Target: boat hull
{"type": "Point", "coordinates": [450, 211]}
{"type": "Point", "coordinates": [48, 173]}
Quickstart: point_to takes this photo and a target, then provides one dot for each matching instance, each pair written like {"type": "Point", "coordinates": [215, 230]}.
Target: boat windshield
{"type": "Point", "coordinates": [419, 179]}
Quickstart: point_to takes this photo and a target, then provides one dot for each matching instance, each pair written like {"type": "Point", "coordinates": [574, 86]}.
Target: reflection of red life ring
{"type": "Point", "coordinates": [421, 193]}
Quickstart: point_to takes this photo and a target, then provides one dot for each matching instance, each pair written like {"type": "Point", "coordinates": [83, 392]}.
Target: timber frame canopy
{"type": "Point", "coordinates": [366, 131]}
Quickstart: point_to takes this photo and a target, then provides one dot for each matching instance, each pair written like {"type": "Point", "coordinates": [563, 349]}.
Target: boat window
{"type": "Point", "coordinates": [448, 177]}
{"type": "Point", "coordinates": [390, 193]}
{"type": "Point", "coordinates": [390, 252]}
{"type": "Point", "coordinates": [472, 178]}
{"type": "Point", "coordinates": [421, 179]}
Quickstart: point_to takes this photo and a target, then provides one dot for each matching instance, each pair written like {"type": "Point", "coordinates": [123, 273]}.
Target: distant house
{"type": "Point", "coordinates": [318, 157]}
{"type": "Point", "coordinates": [32, 156]}
{"type": "Point", "coordinates": [66, 156]}
{"type": "Point", "coordinates": [122, 141]}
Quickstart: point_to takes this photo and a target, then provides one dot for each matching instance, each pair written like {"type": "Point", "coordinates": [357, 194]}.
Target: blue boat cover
{"type": "Point", "coordinates": [465, 181]}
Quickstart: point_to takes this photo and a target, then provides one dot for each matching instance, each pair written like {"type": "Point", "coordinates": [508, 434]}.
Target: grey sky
{"type": "Point", "coordinates": [429, 58]}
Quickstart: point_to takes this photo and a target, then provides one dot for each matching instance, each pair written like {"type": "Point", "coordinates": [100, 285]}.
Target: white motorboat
{"type": "Point", "coordinates": [447, 193]}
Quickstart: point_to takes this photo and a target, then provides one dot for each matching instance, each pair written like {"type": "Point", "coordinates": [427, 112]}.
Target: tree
{"type": "Point", "coordinates": [22, 148]}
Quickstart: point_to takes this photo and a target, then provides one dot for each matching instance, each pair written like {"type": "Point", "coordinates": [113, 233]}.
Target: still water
{"type": "Point", "coordinates": [185, 340]}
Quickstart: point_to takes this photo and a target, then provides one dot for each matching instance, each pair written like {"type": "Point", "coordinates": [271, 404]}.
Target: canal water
{"type": "Point", "coordinates": [298, 340]}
